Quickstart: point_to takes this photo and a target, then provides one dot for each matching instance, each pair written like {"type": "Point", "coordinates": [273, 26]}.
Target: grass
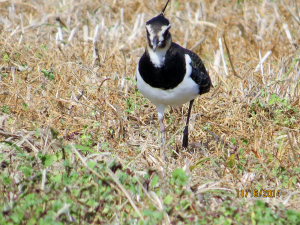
{"type": "Point", "coordinates": [80, 144]}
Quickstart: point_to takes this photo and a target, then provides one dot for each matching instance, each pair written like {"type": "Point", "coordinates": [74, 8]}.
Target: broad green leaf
{"type": "Point", "coordinates": [154, 180]}
{"type": "Point", "coordinates": [168, 199]}
{"type": "Point", "coordinates": [91, 164]}
{"type": "Point", "coordinates": [6, 180]}
{"type": "Point", "coordinates": [83, 148]}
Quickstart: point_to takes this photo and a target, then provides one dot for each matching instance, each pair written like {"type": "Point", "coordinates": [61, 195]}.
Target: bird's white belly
{"type": "Point", "coordinates": [183, 93]}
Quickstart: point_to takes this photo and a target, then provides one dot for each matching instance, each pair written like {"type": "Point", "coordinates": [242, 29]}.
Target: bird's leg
{"type": "Point", "coordinates": [160, 110]}
{"type": "Point", "coordinates": [186, 129]}
{"type": "Point", "coordinates": [162, 131]}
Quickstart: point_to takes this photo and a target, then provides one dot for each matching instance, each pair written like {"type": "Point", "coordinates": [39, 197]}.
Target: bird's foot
{"type": "Point", "coordinates": [162, 129]}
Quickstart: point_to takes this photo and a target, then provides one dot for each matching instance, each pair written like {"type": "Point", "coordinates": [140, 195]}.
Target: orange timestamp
{"type": "Point", "coordinates": [262, 193]}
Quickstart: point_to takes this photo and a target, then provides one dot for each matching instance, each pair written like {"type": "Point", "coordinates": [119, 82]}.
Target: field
{"type": "Point", "coordinates": [79, 144]}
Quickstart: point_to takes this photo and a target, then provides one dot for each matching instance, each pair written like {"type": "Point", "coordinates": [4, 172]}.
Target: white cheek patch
{"type": "Point", "coordinates": [151, 32]}
{"type": "Point", "coordinates": [162, 31]}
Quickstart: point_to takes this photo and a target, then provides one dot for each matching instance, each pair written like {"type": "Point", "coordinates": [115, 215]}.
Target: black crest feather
{"type": "Point", "coordinates": [162, 12]}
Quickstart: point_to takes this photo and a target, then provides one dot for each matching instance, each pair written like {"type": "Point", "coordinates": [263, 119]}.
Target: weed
{"type": "Point", "coordinates": [49, 74]}
{"type": "Point", "coordinates": [5, 109]}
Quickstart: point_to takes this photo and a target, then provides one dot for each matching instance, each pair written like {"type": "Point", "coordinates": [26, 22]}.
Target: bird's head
{"type": "Point", "coordinates": [158, 35]}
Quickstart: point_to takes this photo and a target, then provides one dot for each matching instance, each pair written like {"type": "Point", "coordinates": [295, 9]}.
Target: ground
{"type": "Point", "coordinates": [80, 144]}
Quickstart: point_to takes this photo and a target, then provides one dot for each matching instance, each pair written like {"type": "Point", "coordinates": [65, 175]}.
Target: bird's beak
{"type": "Point", "coordinates": [155, 43]}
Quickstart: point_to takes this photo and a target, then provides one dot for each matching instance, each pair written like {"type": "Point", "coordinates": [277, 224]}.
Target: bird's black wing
{"type": "Point", "coordinates": [199, 73]}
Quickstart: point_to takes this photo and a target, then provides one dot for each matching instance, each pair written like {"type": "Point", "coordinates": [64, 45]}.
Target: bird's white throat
{"type": "Point", "coordinates": [157, 57]}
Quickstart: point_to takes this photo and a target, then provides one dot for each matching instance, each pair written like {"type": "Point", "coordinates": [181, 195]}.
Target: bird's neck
{"type": "Point", "coordinates": [158, 57]}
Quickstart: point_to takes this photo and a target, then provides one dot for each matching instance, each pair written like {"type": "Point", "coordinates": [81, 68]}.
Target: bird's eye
{"type": "Point", "coordinates": [166, 31]}
{"type": "Point", "coordinates": [165, 34]}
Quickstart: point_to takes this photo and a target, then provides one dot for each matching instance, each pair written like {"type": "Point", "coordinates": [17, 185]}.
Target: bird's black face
{"type": "Point", "coordinates": [158, 35]}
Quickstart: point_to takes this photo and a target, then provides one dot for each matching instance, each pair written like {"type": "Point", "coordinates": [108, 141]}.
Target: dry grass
{"type": "Point", "coordinates": [244, 133]}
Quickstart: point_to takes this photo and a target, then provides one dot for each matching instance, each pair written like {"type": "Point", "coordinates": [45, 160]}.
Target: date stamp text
{"type": "Point", "coordinates": [262, 193]}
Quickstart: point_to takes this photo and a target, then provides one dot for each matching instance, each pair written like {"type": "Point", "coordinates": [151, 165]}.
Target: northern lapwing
{"type": "Point", "coordinates": [168, 74]}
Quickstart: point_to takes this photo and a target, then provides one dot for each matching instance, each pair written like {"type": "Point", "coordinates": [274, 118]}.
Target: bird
{"type": "Point", "coordinates": [168, 74]}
